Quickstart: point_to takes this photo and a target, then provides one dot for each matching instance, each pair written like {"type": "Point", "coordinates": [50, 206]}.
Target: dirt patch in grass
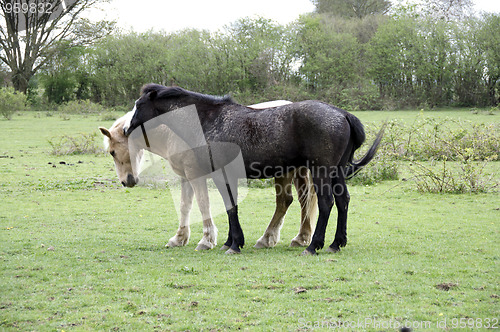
{"type": "Point", "coordinates": [446, 286]}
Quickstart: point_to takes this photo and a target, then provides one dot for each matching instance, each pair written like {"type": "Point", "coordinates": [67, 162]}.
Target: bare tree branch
{"type": "Point", "coordinates": [29, 30]}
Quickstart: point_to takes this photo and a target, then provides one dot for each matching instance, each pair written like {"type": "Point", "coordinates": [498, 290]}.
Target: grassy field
{"type": "Point", "coordinates": [79, 252]}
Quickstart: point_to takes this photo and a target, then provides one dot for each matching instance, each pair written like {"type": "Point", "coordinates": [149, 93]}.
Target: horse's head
{"type": "Point", "coordinates": [144, 109]}
{"type": "Point", "coordinates": [117, 145]}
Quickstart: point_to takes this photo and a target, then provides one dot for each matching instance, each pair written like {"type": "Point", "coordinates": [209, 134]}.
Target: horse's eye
{"type": "Point", "coordinates": [112, 153]}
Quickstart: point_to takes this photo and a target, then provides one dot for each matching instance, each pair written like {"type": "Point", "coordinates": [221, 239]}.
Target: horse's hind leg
{"type": "Point", "coordinates": [323, 187]}
{"type": "Point", "coordinates": [181, 238]}
{"type": "Point", "coordinates": [283, 187]}
{"type": "Point", "coordinates": [209, 240]}
{"type": "Point", "coordinates": [342, 199]}
{"type": "Point", "coordinates": [308, 206]}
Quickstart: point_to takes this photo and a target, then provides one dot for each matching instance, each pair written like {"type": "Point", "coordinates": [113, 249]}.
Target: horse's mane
{"type": "Point", "coordinates": [177, 92]}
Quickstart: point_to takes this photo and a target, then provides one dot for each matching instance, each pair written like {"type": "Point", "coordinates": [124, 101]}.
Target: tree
{"type": "Point", "coordinates": [477, 54]}
{"type": "Point", "coordinates": [30, 30]}
{"type": "Point", "coordinates": [352, 8]}
{"type": "Point", "coordinates": [448, 10]}
{"type": "Point", "coordinates": [260, 52]}
{"type": "Point", "coordinates": [330, 60]}
{"type": "Point", "coordinates": [122, 64]}
{"type": "Point", "coordinates": [434, 65]}
{"type": "Point", "coordinates": [392, 57]}
{"type": "Point", "coordinates": [66, 75]}
{"type": "Point", "coordinates": [490, 29]}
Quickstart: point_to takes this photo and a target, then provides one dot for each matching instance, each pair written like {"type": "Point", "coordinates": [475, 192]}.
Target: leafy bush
{"type": "Point", "coordinates": [435, 139]}
{"type": "Point", "coordinates": [382, 168]}
{"type": "Point", "coordinates": [385, 164]}
{"type": "Point", "coordinates": [446, 155]}
{"type": "Point", "coordinates": [84, 107]}
{"type": "Point", "coordinates": [260, 183]}
{"type": "Point", "coordinates": [41, 104]}
{"type": "Point", "coordinates": [11, 102]}
{"type": "Point", "coordinates": [79, 144]}
{"type": "Point", "coordinates": [457, 153]}
{"type": "Point", "coordinates": [468, 177]}
{"type": "Point", "coordinates": [361, 98]}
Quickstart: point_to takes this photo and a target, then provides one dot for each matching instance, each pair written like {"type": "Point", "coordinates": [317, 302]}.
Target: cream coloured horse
{"type": "Point", "coordinates": [184, 164]}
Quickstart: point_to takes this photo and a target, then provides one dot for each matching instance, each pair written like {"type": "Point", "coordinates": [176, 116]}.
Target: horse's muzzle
{"type": "Point", "coordinates": [131, 181]}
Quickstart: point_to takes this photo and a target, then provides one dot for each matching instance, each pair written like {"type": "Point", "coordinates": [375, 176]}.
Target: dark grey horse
{"type": "Point", "coordinates": [272, 142]}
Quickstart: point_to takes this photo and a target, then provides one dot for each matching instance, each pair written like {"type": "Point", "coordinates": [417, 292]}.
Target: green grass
{"type": "Point", "coordinates": [78, 252]}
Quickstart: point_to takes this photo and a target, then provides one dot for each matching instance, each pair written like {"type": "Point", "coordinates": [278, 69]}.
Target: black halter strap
{"type": "Point", "coordinates": [145, 136]}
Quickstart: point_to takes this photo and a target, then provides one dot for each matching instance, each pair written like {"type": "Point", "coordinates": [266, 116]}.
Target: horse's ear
{"type": "Point", "coordinates": [153, 94]}
{"type": "Point", "coordinates": [105, 132]}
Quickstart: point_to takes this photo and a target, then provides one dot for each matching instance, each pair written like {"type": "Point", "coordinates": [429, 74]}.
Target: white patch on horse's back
{"type": "Point", "coordinates": [272, 103]}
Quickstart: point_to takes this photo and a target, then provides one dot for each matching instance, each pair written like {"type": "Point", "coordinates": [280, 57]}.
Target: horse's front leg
{"type": "Point", "coordinates": [228, 188]}
{"type": "Point", "coordinates": [181, 238]}
{"type": "Point", "coordinates": [209, 240]}
{"type": "Point", "coordinates": [236, 231]}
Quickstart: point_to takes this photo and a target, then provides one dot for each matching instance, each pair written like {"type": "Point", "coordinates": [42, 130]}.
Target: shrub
{"type": "Point", "coordinates": [260, 183]}
{"type": "Point", "coordinates": [83, 107]}
{"type": "Point", "coordinates": [446, 155]}
{"type": "Point", "coordinates": [457, 153]}
{"type": "Point", "coordinates": [468, 177]}
{"type": "Point", "coordinates": [385, 164]}
{"type": "Point", "coordinates": [43, 105]}
{"type": "Point", "coordinates": [435, 139]}
{"type": "Point", "coordinates": [11, 102]}
{"type": "Point", "coordinates": [79, 144]}
{"type": "Point", "coordinates": [361, 98]}
{"type": "Point", "coordinates": [383, 167]}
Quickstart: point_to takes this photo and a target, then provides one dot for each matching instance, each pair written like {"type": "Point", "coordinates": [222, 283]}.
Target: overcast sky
{"type": "Point", "coordinates": [173, 15]}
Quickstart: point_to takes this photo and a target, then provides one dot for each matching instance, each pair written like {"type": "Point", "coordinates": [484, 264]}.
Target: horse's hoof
{"type": "Point", "coordinates": [267, 241]}
{"type": "Point", "coordinates": [176, 242]}
{"type": "Point", "coordinates": [231, 251]}
{"type": "Point", "coordinates": [260, 245]}
{"type": "Point", "coordinates": [203, 247]}
{"type": "Point", "coordinates": [297, 243]}
{"type": "Point", "coordinates": [308, 253]}
{"type": "Point", "coordinates": [224, 247]}
{"type": "Point", "coordinates": [332, 250]}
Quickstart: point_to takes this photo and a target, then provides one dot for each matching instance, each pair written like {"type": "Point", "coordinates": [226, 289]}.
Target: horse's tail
{"type": "Point", "coordinates": [310, 197]}
{"type": "Point", "coordinates": [358, 137]}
